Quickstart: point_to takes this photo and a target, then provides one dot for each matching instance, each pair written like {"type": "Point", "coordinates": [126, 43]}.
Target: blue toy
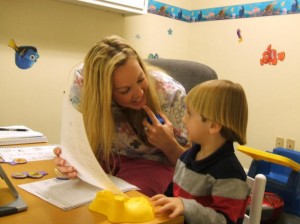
{"type": "Point", "coordinates": [158, 117]}
{"type": "Point", "coordinates": [282, 170]}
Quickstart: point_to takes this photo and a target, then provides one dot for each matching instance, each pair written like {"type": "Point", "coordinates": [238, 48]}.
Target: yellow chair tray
{"type": "Point", "coordinates": [121, 209]}
{"type": "Point", "coordinates": [270, 157]}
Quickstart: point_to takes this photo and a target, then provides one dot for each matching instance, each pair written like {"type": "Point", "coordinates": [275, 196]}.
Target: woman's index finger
{"type": "Point", "coordinates": [151, 116]}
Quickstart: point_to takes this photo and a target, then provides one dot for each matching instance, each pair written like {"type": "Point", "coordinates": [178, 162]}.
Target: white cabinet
{"type": "Point", "coordinates": [120, 6]}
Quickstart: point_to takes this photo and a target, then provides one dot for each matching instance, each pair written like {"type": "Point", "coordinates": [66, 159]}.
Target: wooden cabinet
{"type": "Point", "coordinates": [119, 6]}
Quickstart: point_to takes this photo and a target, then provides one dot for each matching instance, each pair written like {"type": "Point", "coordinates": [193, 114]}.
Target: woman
{"type": "Point", "coordinates": [115, 93]}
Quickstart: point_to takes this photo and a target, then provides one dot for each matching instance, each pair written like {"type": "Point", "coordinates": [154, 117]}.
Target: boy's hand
{"type": "Point", "coordinates": [174, 205]}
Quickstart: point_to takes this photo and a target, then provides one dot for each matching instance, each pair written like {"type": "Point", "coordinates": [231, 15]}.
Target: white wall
{"type": "Point", "coordinates": [273, 91]}
{"type": "Point", "coordinates": [64, 32]}
{"type": "Point", "coordinates": [154, 36]}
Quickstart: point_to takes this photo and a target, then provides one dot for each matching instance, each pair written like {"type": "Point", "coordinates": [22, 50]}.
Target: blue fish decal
{"type": "Point", "coordinates": [25, 56]}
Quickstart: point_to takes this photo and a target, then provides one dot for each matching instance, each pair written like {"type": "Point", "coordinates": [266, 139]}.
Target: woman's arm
{"type": "Point", "coordinates": [170, 138]}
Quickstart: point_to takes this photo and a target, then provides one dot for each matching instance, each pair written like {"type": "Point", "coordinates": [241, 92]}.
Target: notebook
{"type": "Point", "coordinates": [70, 194]}
{"type": "Point", "coordinates": [19, 134]}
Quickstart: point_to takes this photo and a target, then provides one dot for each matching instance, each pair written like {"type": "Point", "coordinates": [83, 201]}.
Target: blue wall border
{"type": "Point", "coordinates": [250, 10]}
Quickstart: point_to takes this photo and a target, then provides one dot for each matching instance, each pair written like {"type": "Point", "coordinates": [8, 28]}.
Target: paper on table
{"type": "Point", "coordinates": [69, 194]}
{"type": "Point", "coordinates": [32, 153]}
{"type": "Point", "coordinates": [77, 151]}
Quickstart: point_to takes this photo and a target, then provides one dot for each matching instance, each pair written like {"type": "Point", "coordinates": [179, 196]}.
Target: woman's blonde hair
{"type": "Point", "coordinates": [223, 102]}
{"type": "Point", "coordinates": [99, 66]}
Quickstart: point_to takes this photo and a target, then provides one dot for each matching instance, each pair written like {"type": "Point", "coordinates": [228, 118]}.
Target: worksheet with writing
{"type": "Point", "coordinates": [32, 153]}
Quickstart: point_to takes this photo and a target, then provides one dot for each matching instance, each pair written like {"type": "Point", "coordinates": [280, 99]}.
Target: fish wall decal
{"type": "Point", "coordinates": [25, 56]}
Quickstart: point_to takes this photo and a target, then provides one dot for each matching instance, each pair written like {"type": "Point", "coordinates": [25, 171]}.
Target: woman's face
{"type": "Point", "coordinates": [130, 85]}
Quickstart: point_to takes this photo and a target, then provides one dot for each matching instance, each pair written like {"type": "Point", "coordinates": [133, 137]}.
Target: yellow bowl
{"type": "Point", "coordinates": [119, 208]}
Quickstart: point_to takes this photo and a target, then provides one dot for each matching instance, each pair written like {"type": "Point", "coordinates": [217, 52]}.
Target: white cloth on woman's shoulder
{"type": "Point", "coordinates": [76, 87]}
{"type": "Point", "coordinates": [171, 95]}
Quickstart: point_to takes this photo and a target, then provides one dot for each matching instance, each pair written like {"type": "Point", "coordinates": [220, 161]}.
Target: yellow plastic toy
{"type": "Point", "coordinates": [119, 208]}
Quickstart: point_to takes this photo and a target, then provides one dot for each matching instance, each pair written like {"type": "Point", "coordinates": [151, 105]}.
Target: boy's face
{"type": "Point", "coordinates": [197, 129]}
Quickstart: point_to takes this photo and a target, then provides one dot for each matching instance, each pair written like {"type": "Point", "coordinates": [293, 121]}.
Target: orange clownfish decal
{"type": "Point", "coordinates": [271, 57]}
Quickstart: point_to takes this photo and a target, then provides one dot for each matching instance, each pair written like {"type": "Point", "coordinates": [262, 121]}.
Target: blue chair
{"type": "Point", "coordinates": [282, 170]}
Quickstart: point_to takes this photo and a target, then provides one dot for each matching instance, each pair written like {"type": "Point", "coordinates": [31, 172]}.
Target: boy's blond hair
{"type": "Point", "coordinates": [223, 102]}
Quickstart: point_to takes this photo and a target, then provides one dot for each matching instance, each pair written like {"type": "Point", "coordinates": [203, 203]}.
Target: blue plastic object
{"type": "Point", "coordinates": [158, 117]}
{"type": "Point", "coordinates": [281, 179]}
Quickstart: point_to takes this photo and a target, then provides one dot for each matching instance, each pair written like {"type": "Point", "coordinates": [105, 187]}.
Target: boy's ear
{"type": "Point", "coordinates": [215, 127]}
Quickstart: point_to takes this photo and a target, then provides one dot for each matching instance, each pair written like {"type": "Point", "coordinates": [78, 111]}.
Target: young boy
{"type": "Point", "coordinates": [209, 184]}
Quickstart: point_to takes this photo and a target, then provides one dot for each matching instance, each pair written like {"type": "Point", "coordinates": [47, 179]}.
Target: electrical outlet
{"type": "Point", "coordinates": [279, 142]}
{"type": "Point", "coordinates": [290, 144]}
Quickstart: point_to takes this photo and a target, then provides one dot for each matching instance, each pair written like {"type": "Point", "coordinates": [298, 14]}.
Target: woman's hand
{"type": "Point", "coordinates": [164, 204]}
{"type": "Point", "coordinates": [159, 135]}
{"type": "Point", "coordinates": [162, 136]}
{"type": "Point", "coordinates": [62, 167]}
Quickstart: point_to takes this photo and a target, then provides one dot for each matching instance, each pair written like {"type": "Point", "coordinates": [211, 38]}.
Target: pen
{"type": "Point", "coordinates": [13, 129]}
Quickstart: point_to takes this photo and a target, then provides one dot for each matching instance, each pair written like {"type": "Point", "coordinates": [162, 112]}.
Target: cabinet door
{"type": "Point", "coordinates": [139, 4]}
{"type": "Point", "coordinates": [121, 6]}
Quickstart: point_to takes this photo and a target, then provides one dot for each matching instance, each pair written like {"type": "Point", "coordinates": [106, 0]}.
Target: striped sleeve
{"type": "Point", "coordinates": [207, 199]}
